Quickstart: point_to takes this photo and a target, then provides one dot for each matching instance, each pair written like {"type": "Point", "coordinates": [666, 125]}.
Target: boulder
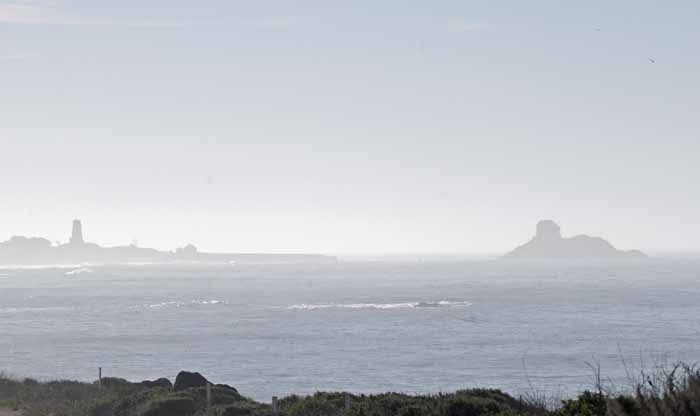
{"type": "Point", "coordinates": [161, 382]}
{"type": "Point", "coordinates": [186, 380]}
{"type": "Point", "coordinates": [226, 387]}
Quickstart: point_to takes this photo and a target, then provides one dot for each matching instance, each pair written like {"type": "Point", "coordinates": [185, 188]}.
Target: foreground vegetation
{"type": "Point", "coordinates": [673, 393]}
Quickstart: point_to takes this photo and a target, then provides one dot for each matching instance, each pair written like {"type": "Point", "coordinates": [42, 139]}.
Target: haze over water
{"type": "Point", "coordinates": [411, 326]}
{"type": "Point", "coordinates": [219, 155]}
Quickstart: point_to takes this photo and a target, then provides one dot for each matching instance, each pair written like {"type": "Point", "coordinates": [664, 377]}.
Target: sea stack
{"type": "Point", "coordinates": [548, 243]}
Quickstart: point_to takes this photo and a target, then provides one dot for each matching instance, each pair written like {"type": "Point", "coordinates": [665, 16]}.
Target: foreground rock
{"type": "Point", "coordinates": [186, 380]}
{"type": "Point", "coordinates": [161, 382]}
{"type": "Point", "coordinates": [548, 243]}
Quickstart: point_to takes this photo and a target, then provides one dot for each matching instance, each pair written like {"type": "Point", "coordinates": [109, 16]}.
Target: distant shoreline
{"type": "Point", "coordinates": [20, 250]}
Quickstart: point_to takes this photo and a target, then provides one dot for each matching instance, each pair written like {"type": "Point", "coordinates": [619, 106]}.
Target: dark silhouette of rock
{"type": "Point", "coordinates": [161, 382]}
{"type": "Point", "coordinates": [226, 388]}
{"type": "Point", "coordinates": [186, 380]}
{"type": "Point", "coordinates": [548, 243]}
{"type": "Point", "coordinates": [221, 394]}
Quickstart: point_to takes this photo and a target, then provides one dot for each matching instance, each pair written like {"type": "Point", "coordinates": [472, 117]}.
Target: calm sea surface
{"type": "Point", "coordinates": [355, 326]}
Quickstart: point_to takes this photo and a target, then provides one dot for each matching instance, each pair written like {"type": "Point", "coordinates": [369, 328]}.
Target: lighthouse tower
{"type": "Point", "coordinates": [77, 235]}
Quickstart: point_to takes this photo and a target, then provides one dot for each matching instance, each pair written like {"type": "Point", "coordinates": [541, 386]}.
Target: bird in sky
{"type": "Point", "coordinates": [652, 60]}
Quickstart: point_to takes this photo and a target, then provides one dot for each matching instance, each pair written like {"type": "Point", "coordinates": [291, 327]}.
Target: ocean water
{"type": "Point", "coordinates": [361, 326]}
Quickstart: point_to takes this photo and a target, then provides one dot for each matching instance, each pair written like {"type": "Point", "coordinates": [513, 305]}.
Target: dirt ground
{"type": "Point", "coordinates": [7, 412]}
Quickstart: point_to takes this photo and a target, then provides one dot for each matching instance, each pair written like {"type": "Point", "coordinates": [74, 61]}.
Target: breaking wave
{"type": "Point", "coordinates": [78, 271]}
{"type": "Point", "coordinates": [180, 304]}
{"type": "Point", "coordinates": [38, 266]}
{"type": "Point", "coordinates": [29, 309]}
{"type": "Point", "coordinates": [403, 305]}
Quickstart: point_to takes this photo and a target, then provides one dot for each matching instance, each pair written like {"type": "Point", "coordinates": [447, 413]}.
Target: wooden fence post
{"type": "Point", "coordinates": [208, 397]}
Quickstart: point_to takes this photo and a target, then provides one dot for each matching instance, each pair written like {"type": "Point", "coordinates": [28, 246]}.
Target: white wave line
{"type": "Point", "coordinates": [179, 304]}
{"type": "Point", "coordinates": [402, 305]}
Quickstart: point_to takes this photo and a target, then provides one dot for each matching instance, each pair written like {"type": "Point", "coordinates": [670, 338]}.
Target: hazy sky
{"type": "Point", "coordinates": [357, 126]}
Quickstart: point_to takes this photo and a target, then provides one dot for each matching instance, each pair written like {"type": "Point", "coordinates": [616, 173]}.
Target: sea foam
{"type": "Point", "coordinates": [81, 270]}
{"type": "Point", "coordinates": [401, 305]}
{"type": "Point", "coordinates": [180, 304]}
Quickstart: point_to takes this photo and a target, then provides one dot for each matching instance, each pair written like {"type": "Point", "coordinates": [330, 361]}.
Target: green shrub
{"type": "Point", "coordinates": [587, 404]}
{"type": "Point", "coordinates": [317, 405]}
{"type": "Point", "coordinates": [236, 411]}
{"type": "Point", "coordinates": [624, 405]}
{"type": "Point", "coordinates": [171, 406]}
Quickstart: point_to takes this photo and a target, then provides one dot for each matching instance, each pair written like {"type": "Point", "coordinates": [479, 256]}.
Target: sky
{"type": "Point", "coordinates": [350, 127]}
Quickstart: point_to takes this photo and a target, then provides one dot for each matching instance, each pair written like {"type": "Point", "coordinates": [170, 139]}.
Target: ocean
{"type": "Point", "coordinates": [414, 326]}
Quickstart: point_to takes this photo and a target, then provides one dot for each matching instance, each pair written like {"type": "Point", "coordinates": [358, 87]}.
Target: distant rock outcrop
{"type": "Point", "coordinates": [548, 243]}
{"type": "Point", "coordinates": [39, 251]}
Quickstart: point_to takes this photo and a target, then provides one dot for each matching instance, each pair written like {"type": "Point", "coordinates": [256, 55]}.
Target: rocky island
{"type": "Point", "coordinates": [548, 243]}
{"type": "Point", "coordinates": [20, 251]}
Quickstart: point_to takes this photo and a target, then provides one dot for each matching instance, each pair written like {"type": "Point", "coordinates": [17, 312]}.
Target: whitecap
{"type": "Point", "coordinates": [206, 302]}
{"type": "Point", "coordinates": [162, 304]}
{"type": "Point", "coordinates": [180, 304]}
{"type": "Point", "coordinates": [81, 270]}
{"type": "Point", "coordinates": [401, 305]}
{"type": "Point", "coordinates": [29, 309]}
{"type": "Point", "coordinates": [39, 266]}
{"type": "Point", "coordinates": [442, 304]}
